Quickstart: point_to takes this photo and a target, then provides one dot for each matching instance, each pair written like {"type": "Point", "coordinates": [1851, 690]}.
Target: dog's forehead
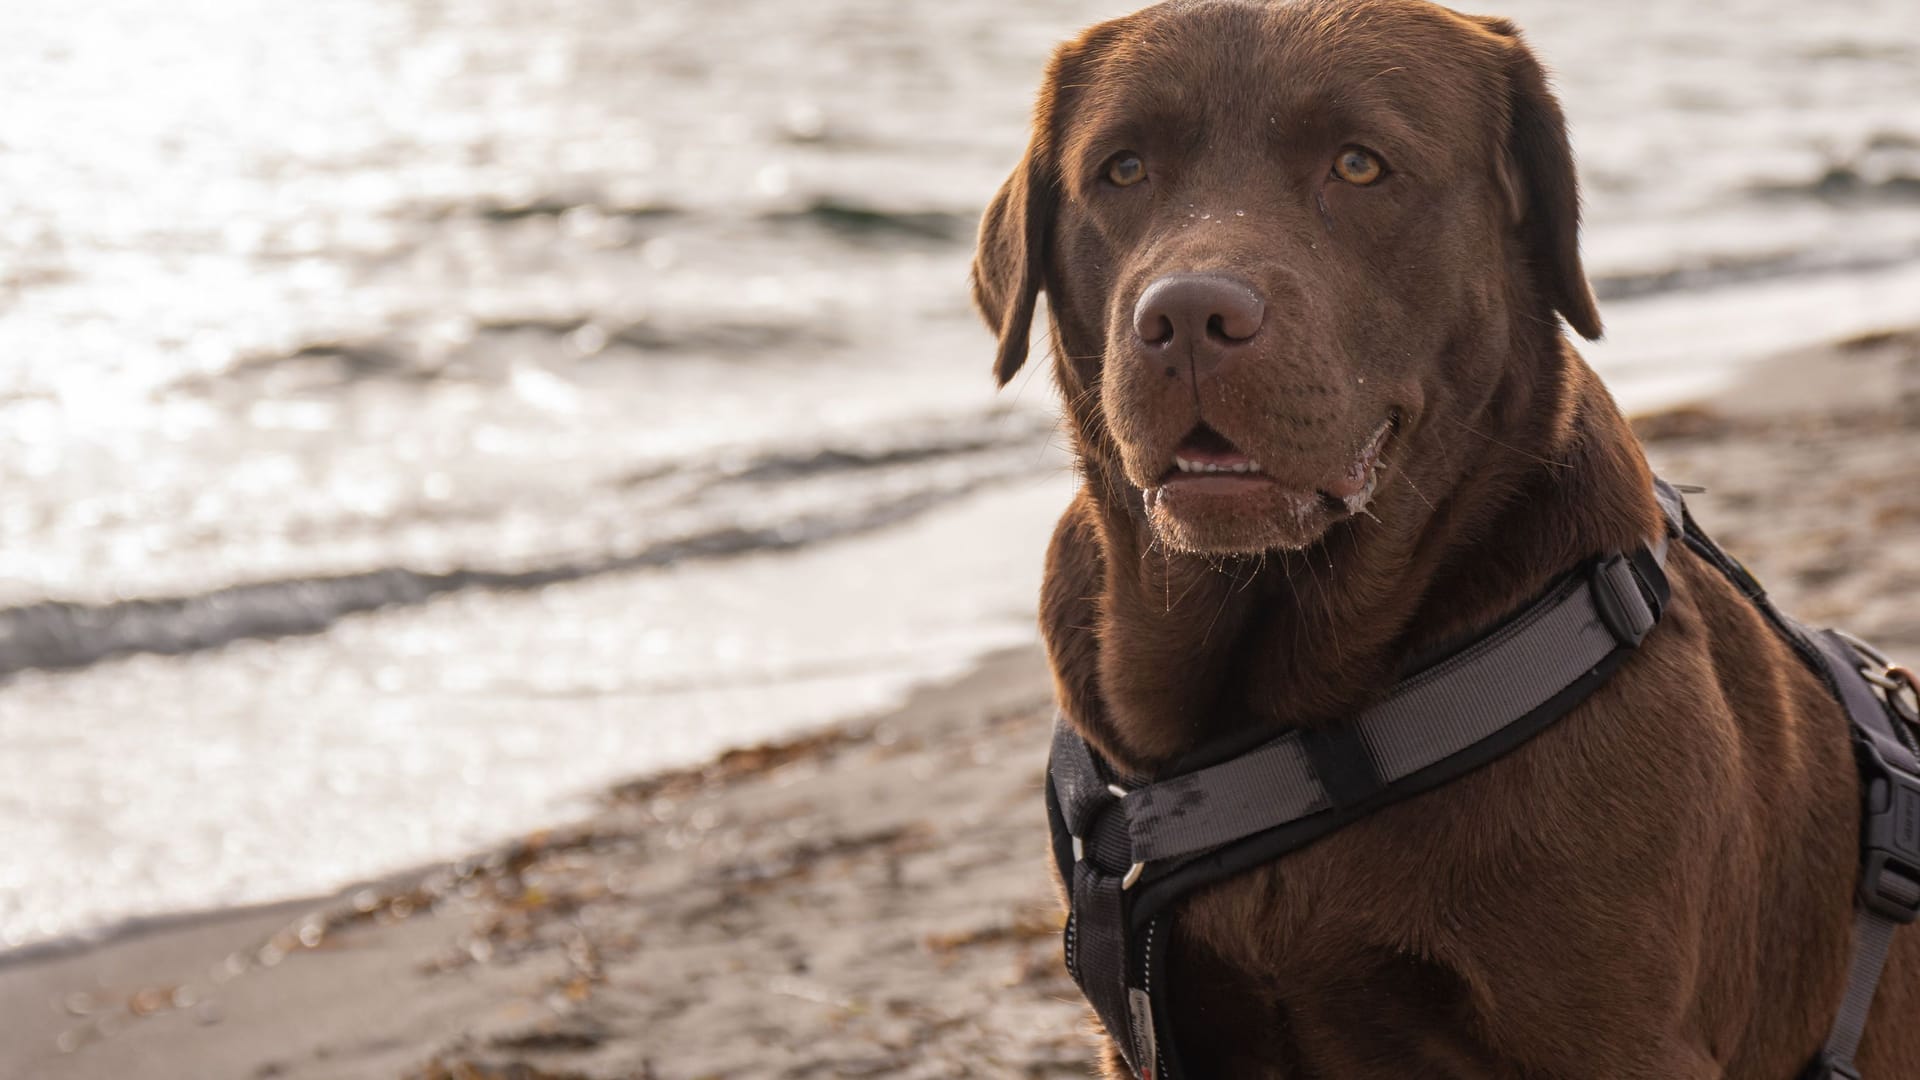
{"type": "Point", "coordinates": [1218, 62]}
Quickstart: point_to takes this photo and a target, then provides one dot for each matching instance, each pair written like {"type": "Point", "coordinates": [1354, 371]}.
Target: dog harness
{"type": "Point", "coordinates": [1129, 850]}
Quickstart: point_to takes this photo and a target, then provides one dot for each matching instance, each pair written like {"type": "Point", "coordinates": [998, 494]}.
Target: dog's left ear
{"type": "Point", "coordinates": [1542, 188]}
{"type": "Point", "coordinates": [1009, 264]}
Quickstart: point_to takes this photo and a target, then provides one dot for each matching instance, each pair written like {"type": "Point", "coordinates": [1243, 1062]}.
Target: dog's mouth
{"type": "Point", "coordinates": [1215, 496]}
{"type": "Point", "coordinates": [1208, 460]}
{"type": "Point", "coordinates": [1205, 452]}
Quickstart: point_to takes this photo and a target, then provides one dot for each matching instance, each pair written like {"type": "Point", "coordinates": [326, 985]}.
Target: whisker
{"type": "Point", "coordinates": [1524, 453]}
{"type": "Point", "coordinates": [1225, 599]}
{"type": "Point", "coordinates": [1416, 490]}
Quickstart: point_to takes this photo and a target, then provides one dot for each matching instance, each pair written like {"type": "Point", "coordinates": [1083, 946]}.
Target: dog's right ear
{"type": "Point", "coordinates": [1009, 264]}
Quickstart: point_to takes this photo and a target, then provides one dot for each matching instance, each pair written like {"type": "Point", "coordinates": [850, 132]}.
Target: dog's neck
{"type": "Point", "coordinates": [1546, 475]}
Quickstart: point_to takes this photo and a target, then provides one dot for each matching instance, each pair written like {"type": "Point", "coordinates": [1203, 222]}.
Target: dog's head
{"type": "Point", "coordinates": [1287, 250]}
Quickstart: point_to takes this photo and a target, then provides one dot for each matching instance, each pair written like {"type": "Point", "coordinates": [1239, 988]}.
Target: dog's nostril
{"type": "Point", "coordinates": [1235, 327]}
{"type": "Point", "coordinates": [1156, 330]}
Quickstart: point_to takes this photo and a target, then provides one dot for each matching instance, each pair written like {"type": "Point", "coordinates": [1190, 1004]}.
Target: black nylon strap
{"type": "Point", "coordinates": [1076, 779]}
{"type": "Point", "coordinates": [1342, 763]}
{"type": "Point", "coordinates": [1100, 952]}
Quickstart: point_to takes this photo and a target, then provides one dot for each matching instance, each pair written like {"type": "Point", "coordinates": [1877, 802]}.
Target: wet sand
{"type": "Point", "coordinates": [871, 900]}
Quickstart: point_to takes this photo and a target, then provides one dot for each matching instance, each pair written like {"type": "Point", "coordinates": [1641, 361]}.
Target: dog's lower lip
{"type": "Point", "coordinates": [1218, 483]}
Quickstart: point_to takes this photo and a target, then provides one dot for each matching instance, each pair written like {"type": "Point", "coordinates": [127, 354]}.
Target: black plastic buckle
{"type": "Point", "coordinates": [1620, 601]}
{"type": "Point", "coordinates": [1890, 846]}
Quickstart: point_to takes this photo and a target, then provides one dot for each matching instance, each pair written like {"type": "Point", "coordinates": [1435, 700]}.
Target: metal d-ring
{"type": "Point", "coordinates": [1134, 871]}
{"type": "Point", "coordinates": [1903, 678]}
{"type": "Point", "coordinates": [1865, 650]}
{"type": "Point", "coordinates": [1080, 844]}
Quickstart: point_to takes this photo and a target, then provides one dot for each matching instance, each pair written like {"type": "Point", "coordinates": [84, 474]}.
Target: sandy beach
{"type": "Point", "coordinates": [868, 900]}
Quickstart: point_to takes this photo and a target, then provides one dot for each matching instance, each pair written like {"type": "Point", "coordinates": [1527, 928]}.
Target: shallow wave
{"type": "Point", "coordinates": [860, 221]}
{"type": "Point", "coordinates": [1726, 271]}
{"type": "Point", "coordinates": [398, 356]}
{"type": "Point", "coordinates": [1883, 168]}
{"type": "Point", "coordinates": [1847, 183]}
{"type": "Point", "coordinates": [846, 217]}
{"type": "Point", "coordinates": [62, 636]}
{"type": "Point", "coordinates": [65, 635]}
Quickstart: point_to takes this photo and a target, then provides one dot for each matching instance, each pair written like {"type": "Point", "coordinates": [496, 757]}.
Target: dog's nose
{"type": "Point", "coordinates": [1209, 312]}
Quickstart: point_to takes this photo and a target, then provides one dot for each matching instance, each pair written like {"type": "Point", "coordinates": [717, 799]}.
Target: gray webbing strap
{"type": "Point", "coordinates": [1431, 717]}
{"type": "Point", "coordinates": [1889, 893]}
{"type": "Point", "coordinates": [1872, 936]}
{"type": "Point", "coordinates": [1673, 506]}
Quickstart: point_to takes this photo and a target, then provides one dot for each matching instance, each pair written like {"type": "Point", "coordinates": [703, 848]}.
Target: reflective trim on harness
{"type": "Point", "coordinates": [1128, 855]}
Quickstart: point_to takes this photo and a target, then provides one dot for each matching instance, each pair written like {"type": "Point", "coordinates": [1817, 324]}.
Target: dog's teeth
{"type": "Point", "coordinates": [1187, 465]}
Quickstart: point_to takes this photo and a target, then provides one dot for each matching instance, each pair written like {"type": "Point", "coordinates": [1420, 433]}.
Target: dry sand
{"type": "Point", "coordinates": [869, 901]}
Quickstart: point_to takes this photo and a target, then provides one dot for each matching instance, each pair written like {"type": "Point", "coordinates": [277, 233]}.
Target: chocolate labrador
{"type": "Point", "coordinates": [1305, 266]}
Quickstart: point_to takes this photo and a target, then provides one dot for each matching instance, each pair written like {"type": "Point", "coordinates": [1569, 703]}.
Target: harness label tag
{"type": "Point", "coordinates": [1146, 1055]}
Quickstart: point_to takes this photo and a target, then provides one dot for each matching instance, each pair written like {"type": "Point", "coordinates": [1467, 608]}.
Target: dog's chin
{"type": "Point", "coordinates": [1237, 515]}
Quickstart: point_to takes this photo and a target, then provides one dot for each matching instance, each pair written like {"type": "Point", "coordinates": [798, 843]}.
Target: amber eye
{"type": "Point", "coordinates": [1358, 167]}
{"type": "Point", "coordinates": [1126, 170]}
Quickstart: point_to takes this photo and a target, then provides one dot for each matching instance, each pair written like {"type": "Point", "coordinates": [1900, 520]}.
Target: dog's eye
{"type": "Point", "coordinates": [1126, 170]}
{"type": "Point", "coordinates": [1358, 167]}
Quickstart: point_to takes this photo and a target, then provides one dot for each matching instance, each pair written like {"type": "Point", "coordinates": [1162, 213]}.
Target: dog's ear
{"type": "Point", "coordinates": [1542, 189]}
{"type": "Point", "coordinates": [1009, 264]}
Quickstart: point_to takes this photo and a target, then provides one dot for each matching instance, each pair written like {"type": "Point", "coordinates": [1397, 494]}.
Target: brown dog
{"type": "Point", "coordinates": [1305, 265]}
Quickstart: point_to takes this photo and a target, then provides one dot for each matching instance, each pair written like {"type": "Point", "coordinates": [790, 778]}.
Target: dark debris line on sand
{"type": "Point", "coordinates": [1812, 474]}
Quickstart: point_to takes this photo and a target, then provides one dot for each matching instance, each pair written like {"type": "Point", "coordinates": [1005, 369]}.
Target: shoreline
{"type": "Point", "coordinates": [211, 990]}
{"type": "Point", "coordinates": [869, 897]}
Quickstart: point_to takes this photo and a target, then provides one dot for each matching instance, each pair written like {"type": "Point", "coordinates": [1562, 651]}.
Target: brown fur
{"type": "Point", "coordinates": [1658, 886]}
